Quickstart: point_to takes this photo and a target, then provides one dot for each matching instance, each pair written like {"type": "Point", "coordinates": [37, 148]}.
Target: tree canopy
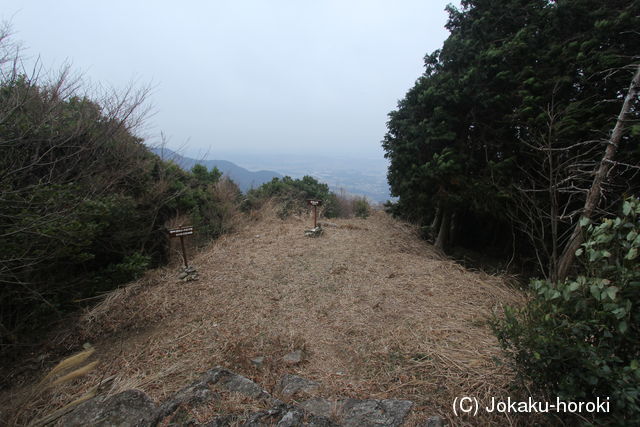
{"type": "Point", "coordinates": [497, 140]}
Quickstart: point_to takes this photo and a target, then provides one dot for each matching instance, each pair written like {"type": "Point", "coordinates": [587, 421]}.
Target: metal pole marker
{"type": "Point", "coordinates": [315, 203]}
{"type": "Point", "coordinates": [181, 232]}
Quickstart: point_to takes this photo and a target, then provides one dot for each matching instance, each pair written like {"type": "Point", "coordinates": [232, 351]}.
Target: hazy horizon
{"type": "Point", "coordinates": [243, 78]}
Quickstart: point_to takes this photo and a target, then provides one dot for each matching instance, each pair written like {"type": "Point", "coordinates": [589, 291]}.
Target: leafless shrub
{"type": "Point", "coordinates": [58, 148]}
{"type": "Point", "coordinates": [349, 206]}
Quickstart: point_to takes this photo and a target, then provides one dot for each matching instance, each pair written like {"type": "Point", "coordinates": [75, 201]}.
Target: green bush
{"type": "Point", "coordinates": [361, 207]}
{"type": "Point", "coordinates": [84, 203]}
{"type": "Point", "coordinates": [579, 340]}
{"type": "Point", "coordinates": [291, 195]}
{"type": "Point", "coordinates": [131, 268]}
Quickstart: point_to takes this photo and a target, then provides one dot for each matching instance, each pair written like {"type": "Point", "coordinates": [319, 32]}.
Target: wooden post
{"type": "Point", "coordinates": [184, 252]}
{"type": "Point", "coordinates": [181, 232]}
{"type": "Point", "coordinates": [315, 204]}
{"type": "Point", "coordinates": [315, 216]}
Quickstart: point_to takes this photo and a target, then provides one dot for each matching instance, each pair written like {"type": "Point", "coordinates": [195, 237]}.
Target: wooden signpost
{"type": "Point", "coordinates": [315, 204]}
{"type": "Point", "coordinates": [181, 232]}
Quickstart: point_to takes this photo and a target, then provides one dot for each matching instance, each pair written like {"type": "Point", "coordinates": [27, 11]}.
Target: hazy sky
{"type": "Point", "coordinates": [246, 76]}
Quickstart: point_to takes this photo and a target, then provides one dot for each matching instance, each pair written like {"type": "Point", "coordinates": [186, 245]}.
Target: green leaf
{"type": "Point", "coordinates": [622, 327]}
{"type": "Point", "coordinates": [595, 291]}
{"type": "Point", "coordinates": [611, 292]}
{"type": "Point", "coordinates": [633, 253]}
{"type": "Point", "coordinates": [579, 252]}
{"type": "Point", "coordinates": [619, 312]}
{"type": "Point", "coordinates": [626, 207]}
{"type": "Point", "coordinates": [584, 221]}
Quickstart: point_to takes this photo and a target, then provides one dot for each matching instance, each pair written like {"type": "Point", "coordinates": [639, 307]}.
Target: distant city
{"type": "Point", "coordinates": [353, 176]}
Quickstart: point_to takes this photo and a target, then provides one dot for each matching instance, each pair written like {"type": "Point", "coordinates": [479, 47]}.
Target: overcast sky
{"type": "Point", "coordinates": [246, 76]}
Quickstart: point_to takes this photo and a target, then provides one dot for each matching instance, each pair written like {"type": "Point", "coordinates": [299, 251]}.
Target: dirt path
{"type": "Point", "coordinates": [377, 312]}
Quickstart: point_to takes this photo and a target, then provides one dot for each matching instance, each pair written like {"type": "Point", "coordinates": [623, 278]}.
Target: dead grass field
{"type": "Point", "coordinates": [378, 313]}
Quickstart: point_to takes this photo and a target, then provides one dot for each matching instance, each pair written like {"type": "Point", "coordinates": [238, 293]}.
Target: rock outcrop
{"type": "Point", "coordinates": [129, 408]}
{"type": "Point", "coordinates": [314, 232]}
{"type": "Point", "coordinates": [202, 403]}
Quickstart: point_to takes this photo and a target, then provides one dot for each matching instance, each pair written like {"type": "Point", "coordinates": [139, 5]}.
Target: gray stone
{"type": "Point", "coordinates": [293, 384]}
{"type": "Point", "coordinates": [188, 274]}
{"type": "Point", "coordinates": [265, 418]}
{"type": "Point", "coordinates": [291, 418]}
{"type": "Point", "coordinates": [181, 418]}
{"type": "Point", "coordinates": [231, 381]}
{"type": "Point", "coordinates": [242, 385]}
{"type": "Point", "coordinates": [314, 232]}
{"type": "Point", "coordinates": [195, 394]}
{"type": "Point", "coordinates": [129, 408]}
{"type": "Point", "coordinates": [134, 408]}
{"type": "Point", "coordinates": [320, 407]}
{"type": "Point", "coordinates": [355, 412]}
{"type": "Point", "coordinates": [316, 421]}
{"type": "Point", "coordinates": [293, 358]}
{"type": "Point", "coordinates": [294, 417]}
{"type": "Point", "coordinates": [284, 415]}
{"type": "Point", "coordinates": [435, 421]}
{"type": "Point", "coordinates": [258, 361]}
{"type": "Point", "coordinates": [221, 421]}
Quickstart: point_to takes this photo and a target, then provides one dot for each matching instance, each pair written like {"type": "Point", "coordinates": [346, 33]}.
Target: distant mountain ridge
{"type": "Point", "coordinates": [245, 178]}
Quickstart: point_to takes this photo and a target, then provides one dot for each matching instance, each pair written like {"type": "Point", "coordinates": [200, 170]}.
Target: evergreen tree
{"type": "Point", "coordinates": [507, 118]}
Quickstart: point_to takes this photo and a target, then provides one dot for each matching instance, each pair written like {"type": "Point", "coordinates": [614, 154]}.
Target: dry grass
{"type": "Point", "coordinates": [29, 404]}
{"type": "Point", "coordinates": [377, 311]}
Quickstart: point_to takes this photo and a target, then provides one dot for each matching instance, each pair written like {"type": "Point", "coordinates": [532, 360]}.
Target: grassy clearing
{"type": "Point", "coordinates": [378, 312]}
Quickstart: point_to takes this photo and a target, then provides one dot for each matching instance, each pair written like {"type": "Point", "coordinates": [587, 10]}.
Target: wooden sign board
{"type": "Point", "coordinates": [315, 202]}
{"type": "Point", "coordinates": [182, 231]}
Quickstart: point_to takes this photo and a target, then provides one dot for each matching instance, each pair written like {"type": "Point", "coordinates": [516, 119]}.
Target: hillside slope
{"type": "Point", "coordinates": [244, 178]}
{"type": "Point", "coordinates": [377, 312]}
